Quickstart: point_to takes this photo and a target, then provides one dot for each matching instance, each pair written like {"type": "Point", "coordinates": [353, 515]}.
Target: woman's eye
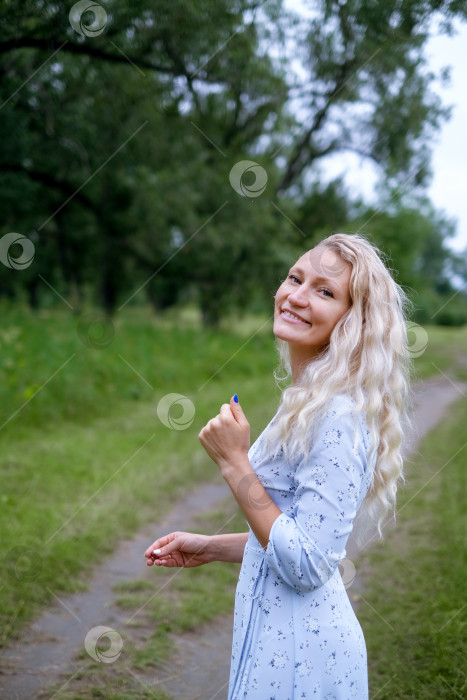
{"type": "Point", "coordinates": [294, 278]}
{"type": "Point", "coordinates": [327, 292]}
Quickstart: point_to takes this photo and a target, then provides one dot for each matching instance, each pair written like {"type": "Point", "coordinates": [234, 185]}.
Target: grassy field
{"type": "Point", "coordinates": [83, 446]}
{"type": "Point", "coordinates": [84, 451]}
{"type": "Point", "coordinates": [414, 611]}
{"type": "Point", "coordinates": [446, 349]}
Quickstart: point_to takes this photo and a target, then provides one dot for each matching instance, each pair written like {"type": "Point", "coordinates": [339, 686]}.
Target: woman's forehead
{"type": "Point", "coordinates": [325, 262]}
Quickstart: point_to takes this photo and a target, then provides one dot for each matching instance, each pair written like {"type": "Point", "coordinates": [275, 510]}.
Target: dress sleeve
{"type": "Point", "coordinates": [305, 548]}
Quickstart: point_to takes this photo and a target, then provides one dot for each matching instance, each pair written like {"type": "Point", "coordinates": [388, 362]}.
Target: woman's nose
{"type": "Point", "coordinates": [300, 296]}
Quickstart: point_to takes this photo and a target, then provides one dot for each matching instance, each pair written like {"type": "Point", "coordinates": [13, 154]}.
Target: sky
{"type": "Point", "coordinates": [448, 186]}
{"type": "Point", "coordinates": [448, 190]}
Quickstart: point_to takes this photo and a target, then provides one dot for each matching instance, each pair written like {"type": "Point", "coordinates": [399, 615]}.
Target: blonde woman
{"type": "Point", "coordinates": [333, 445]}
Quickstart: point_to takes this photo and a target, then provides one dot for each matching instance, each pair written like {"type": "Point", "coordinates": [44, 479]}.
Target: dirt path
{"type": "Point", "coordinates": [46, 651]}
{"type": "Point", "coordinates": [200, 668]}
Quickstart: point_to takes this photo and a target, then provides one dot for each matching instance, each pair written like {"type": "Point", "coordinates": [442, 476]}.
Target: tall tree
{"type": "Point", "coordinates": [364, 86]}
{"type": "Point", "coordinates": [126, 141]}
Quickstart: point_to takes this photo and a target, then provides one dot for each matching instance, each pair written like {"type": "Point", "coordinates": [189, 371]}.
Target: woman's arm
{"type": "Point", "coordinates": [226, 438]}
{"type": "Point", "coordinates": [304, 548]}
{"type": "Point", "coordinates": [258, 507]}
{"type": "Point", "coordinates": [228, 547]}
{"type": "Point", "coordinates": [188, 549]}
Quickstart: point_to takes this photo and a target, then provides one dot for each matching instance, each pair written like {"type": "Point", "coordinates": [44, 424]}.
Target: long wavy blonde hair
{"type": "Point", "coordinates": [367, 358]}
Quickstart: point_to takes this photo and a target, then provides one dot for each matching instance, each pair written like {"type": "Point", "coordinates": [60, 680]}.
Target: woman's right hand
{"type": "Point", "coordinates": [179, 549]}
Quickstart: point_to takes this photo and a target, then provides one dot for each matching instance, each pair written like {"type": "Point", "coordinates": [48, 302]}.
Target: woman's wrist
{"type": "Point", "coordinates": [227, 548]}
{"type": "Point", "coordinates": [236, 469]}
{"type": "Point", "coordinates": [215, 548]}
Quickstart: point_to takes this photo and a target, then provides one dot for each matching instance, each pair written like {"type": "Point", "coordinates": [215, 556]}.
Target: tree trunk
{"type": "Point", "coordinates": [210, 316]}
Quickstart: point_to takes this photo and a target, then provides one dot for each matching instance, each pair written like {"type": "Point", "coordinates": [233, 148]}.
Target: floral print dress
{"type": "Point", "coordinates": [295, 633]}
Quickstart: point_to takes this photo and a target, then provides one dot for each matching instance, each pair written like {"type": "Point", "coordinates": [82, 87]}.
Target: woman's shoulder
{"type": "Point", "coordinates": [340, 404]}
{"type": "Point", "coordinates": [344, 407]}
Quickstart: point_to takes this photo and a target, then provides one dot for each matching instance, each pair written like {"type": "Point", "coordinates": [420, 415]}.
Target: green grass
{"type": "Point", "coordinates": [89, 685]}
{"type": "Point", "coordinates": [446, 349]}
{"type": "Point", "coordinates": [49, 373]}
{"type": "Point", "coordinates": [82, 461]}
{"type": "Point", "coordinates": [418, 586]}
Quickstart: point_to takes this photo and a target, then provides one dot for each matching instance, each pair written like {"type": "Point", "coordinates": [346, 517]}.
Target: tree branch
{"type": "Point", "coordinates": [81, 49]}
{"type": "Point", "coordinates": [47, 179]}
{"type": "Point", "coordinates": [302, 156]}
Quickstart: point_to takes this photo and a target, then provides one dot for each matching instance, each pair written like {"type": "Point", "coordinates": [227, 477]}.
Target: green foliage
{"type": "Point", "coordinates": [120, 145]}
{"type": "Point", "coordinates": [414, 239]}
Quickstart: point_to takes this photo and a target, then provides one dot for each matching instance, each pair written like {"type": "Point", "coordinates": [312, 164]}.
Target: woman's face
{"type": "Point", "coordinates": [312, 299]}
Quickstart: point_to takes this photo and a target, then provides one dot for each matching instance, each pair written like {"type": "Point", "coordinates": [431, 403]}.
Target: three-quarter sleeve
{"type": "Point", "coordinates": [306, 546]}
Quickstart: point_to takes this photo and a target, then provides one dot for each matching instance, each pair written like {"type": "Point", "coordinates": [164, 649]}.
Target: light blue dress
{"type": "Point", "coordinates": [295, 633]}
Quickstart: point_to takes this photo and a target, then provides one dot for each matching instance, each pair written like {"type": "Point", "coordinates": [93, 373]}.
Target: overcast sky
{"type": "Point", "coordinates": [448, 188]}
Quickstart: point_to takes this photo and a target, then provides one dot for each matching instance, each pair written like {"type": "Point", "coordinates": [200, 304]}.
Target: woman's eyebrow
{"type": "Point", "coordinates": [319, 278]}
{"type": "Point", "coordinates": [327, 280]}
{"type": "Point", "coordinates": [297, 268]}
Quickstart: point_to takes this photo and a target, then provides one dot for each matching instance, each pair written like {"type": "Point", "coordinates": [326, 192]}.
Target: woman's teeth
{"type": "Point", "coordinates": [296, 318]}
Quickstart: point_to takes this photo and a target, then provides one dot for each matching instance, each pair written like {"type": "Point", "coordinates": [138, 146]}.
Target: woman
{"type": "Point", "coordinates": [334, 443]}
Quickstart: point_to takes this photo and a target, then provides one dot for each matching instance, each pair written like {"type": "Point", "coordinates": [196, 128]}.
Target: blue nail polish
{"type": "Point", "coordinates": [235, 398]}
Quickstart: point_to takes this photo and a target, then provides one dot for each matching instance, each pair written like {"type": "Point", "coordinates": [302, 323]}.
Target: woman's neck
{"type": "Point", "coordinates": [300, 357]}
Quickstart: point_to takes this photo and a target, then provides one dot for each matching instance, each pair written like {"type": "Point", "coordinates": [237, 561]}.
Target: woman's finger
{"type": "Point", "coordinates": [166, 560]}
{"type": "Point", "coordinates": [166, 551]}
{"type": "Point", "coordinates": [158, 558]}
{"type": "Point", "coordinates": [164, 546]}
{"type": "Point", "coordinates": [161, 542]}
{"type": "Point", "coordinates": [155, 545]}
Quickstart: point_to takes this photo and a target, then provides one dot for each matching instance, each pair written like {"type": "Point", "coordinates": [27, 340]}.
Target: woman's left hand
{"type": "Point", "coordinates": [226, 438]}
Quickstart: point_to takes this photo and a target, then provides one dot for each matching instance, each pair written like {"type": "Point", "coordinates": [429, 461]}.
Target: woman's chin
{"type": "Point", "coordinates": [285, 332]}
{"type": "Point", "coordinates": [280, 333]}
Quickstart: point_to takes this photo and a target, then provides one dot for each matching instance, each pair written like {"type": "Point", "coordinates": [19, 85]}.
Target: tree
{"type": "Point", "coordinates": [124, 142]}
{"type": "Point", "coordinates": [414, 237]}
{"type": "Point", "coordinates": [365, 87]}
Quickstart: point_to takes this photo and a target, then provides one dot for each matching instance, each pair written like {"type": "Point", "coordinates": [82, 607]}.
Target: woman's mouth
{"type": "Point", "coordinates": [290, 317]}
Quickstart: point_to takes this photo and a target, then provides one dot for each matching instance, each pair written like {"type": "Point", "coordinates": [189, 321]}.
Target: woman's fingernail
{"type": "Point", "coordinates": [235, 398]}
{"type": "Point", "coordinates": [157, 551]}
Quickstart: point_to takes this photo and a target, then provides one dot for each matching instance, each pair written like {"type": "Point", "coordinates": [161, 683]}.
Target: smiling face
{"type": "Point", "coordinates": [310, 302]}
